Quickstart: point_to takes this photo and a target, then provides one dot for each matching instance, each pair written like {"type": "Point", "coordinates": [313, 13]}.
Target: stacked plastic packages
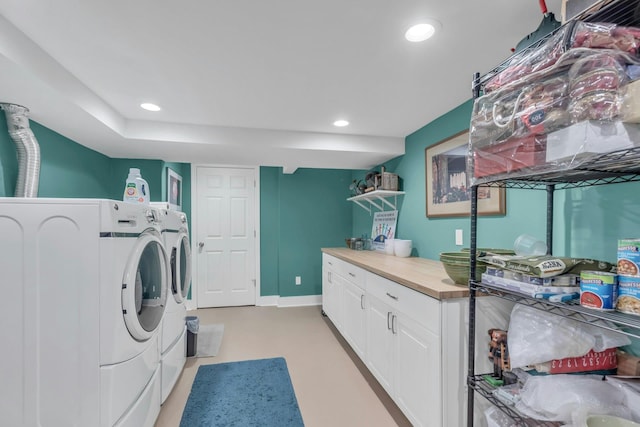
{"type": "Point", "coordinates": [570, 100]}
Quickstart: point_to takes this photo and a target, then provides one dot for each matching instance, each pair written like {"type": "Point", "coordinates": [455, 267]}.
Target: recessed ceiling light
{"type": "Point", "coordinates": [421, 32]}
{"type": "Point", "coordinates": [341, 123]}
{"type": "Point", "coordinates": [149, 106]}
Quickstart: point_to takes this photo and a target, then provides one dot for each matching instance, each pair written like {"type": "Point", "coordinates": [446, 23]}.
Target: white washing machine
{"type": "Point", "coordinates": [82, 333]}
{"type": "Point", "coordinates": [174, 331]}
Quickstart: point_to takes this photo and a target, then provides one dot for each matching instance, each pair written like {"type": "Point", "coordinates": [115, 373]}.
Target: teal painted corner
{"type": "Point", "coordinates": [300, 214]}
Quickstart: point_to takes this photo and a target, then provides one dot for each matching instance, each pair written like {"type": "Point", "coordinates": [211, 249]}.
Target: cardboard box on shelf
{"type": "Point", "coordinates": [592, 361]}
{"type": "Point", "coordinates": [628, 365]}
{"type": "Point", "coordinates": [509, 156]}
{"type": "Point", "coordinates": [589, 137]}
{"type": "Point", "coordinates": [631, 103]}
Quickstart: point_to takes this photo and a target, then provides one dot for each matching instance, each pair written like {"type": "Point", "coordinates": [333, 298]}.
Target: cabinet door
{"type": "Point", "coordinates": [331, 295]}
{"type": "Point", "coordinates": [417, 372]}
{"type": "Point", "coordinates": [354, 317]}
{"type": "Point", "coordinates": [380, 353]}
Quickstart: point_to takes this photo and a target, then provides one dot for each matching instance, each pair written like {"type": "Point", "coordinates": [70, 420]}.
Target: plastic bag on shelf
{"type": "Point", "coordinates": [496, 418]}
{"type": "Point", "coordinates": [545, 266]}
{"type": "Point", "coordinates": [556, 119]}
{"type": "Point", "coordinates": [536, 336]}
{"type": "Point", "coordinates": [568, 38]}
{"type": "Point", "coordinates": [570, 398]}
{"type": "Point", "coordinates": [631, 390]}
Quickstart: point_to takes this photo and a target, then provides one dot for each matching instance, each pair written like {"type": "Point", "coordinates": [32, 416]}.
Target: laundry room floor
{"type": "Point", "coordinates": [332, 385]}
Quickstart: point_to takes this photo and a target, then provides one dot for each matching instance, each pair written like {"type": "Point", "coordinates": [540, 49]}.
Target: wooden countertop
{"type": "Point", "coordinates": [420, 274]}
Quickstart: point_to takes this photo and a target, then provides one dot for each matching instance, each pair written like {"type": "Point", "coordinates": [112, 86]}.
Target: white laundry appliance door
{"type": "Point", "coordinates": [144, 287]}
{"type": "Point", "coordinates": [181, 268]}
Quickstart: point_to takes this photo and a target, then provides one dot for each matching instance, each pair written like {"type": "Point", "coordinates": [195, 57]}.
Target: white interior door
{"type": "Point", "coordinates": [225, 238]}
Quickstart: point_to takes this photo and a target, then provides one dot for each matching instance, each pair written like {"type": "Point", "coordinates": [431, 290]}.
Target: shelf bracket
{"type": "Point", "coordinates": [386, 202]}
{"type": "Point", "coordinates": [366, 208]}
{"type": "Point", "coordinates": [377, 199]}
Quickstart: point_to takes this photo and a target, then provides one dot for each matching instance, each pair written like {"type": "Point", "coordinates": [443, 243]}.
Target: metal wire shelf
{"type": "Point", "coordinates": [610, 168]}
{"type": "Point", "coordinates": [616, 167]}
{"type": "Point", "coordinates": [611, 320]}
{"type": "Point", "coordinates": [483, 388]}
{"type": "Point", "coordinates": [619, 12]}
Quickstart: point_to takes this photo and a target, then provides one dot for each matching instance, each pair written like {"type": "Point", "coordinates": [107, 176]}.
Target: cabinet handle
{"type": "Point", "coordinates": [329, 262]}
{"type": "Point", "coordinates": [388, 322]}
{"type": "Point", "coordinates": [392, 296]}
{"type": "Point", "coordinates": [351, 274]}
{"type": "Point", "coordinates": [362, 301]}
{"type": "Point", "coordinates": [393, 324]}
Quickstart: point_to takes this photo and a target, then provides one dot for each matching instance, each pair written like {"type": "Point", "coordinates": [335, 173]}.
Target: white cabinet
{"type": "Point", "coordinates": [404, 351]}
{"type": "Point", "coordinates": [354, 316]}
{"type": "Point", "coordinates": [418, 372]}
{"type": "Point", "coordinates": [331, 290]}
{"type": "Point", "coordinates": [416, 346]}
{"type": "Point", "coordinates": [343, 300]}
{"type": "Point", "coordinates": [380, 355]}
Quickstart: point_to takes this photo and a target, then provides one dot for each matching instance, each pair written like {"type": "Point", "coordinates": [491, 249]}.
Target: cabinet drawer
{"type": "Point", "coordinates": [420, 307]}
{"type": "Point", "coordinates": [350, 272]}
{"type": "Point", "coordinates": [329, 262]}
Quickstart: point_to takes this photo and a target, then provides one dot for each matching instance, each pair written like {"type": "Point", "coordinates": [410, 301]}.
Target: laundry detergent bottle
{"type": "Point", "coordinates": [136, 189]}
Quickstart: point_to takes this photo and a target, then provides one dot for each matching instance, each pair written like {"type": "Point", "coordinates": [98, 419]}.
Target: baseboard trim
{"type": "Point", "coordinates": [268, 301]}
{"type": "Point", "coordinates": [299, 301]}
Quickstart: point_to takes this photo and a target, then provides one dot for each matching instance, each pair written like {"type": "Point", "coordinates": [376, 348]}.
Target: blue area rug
{"type": "Point", "coordinates": [243, 394]}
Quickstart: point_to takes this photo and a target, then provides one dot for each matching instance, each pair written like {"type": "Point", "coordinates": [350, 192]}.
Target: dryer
{"type": "Point", "coordinates": [174, 332]}
{"type": "Point", "coordinates": [84, 327]}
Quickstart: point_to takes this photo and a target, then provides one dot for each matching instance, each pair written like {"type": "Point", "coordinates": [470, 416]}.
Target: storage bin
{"type": "Point", "coordinates": [389, 181]}
{"type": "Point", "coordinates": [193, 325]}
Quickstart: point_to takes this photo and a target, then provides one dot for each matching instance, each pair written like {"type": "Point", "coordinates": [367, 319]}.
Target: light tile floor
{"type": "Point", "coordinates": [332, 385]}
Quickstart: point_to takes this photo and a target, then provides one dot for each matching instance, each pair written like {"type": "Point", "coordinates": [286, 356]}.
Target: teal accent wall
{"type": "Point", "coordinates": [70, 170]}
{"type": "Point", "coordinates": [269, 230]}
{"type": "Point", "coordinates": [587, 221]}
{"type": "Point", "coordinates": [67, 169]}
{"type": "Point", "coordinates": [300, 213]}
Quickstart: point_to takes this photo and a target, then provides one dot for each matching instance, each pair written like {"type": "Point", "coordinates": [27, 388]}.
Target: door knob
{"type": "Point", "coordinates": [200, 246]}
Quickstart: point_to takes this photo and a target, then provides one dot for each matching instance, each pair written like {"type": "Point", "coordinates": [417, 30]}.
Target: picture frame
{"type": "Point", "coordinates": [174, 190]}
{"type": "Point", "coordinates": [448, 182]}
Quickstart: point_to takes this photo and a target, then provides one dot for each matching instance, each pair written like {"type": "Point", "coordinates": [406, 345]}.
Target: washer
{"type": "Point", "coordinates": [84, 327]}
{"type": "Point", "coordinates": [174, 331]}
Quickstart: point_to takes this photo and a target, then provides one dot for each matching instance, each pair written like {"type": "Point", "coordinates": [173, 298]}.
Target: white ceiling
{"type": "Point", "coordinates": [250, 82]}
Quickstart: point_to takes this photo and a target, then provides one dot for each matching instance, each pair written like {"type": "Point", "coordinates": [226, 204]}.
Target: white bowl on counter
{"type": "Point", "coordinates": [389, 247]}
{"type": "Point", "coordinates": [402, 248]}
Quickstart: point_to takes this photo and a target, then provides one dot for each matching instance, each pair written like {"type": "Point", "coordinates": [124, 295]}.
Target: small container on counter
{"type": "Point", "coordinates": [598, 290]}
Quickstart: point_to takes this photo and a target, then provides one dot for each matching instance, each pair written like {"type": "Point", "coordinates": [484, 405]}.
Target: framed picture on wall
{"type": "Point", "coordinates": [174, 190]}
{"type": "Point", "coordinates": [447, 182]}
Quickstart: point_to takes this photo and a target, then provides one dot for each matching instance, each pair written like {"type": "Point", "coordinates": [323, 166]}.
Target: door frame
{"type": "Point", "coordinates": [192, 303]}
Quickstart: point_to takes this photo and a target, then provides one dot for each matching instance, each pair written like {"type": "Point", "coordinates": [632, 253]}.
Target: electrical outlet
{"type": "Point", "coordinates": [459, 237]}
{"type": "Point", "coordinates": [298, 280]}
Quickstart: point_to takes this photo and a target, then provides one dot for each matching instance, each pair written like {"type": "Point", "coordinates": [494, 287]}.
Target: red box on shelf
{"type": "Point", "coordinates": [592, 361]}
{"type": "Point", "coordinates": [509, 156]}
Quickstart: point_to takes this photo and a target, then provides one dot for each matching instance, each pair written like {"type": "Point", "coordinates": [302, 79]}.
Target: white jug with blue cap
{"type": "Point", "coordinates": [136, 189]}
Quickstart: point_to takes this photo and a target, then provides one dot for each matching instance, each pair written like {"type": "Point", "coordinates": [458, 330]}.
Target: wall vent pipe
{"type": "Point", "coordinates": [27, 149]}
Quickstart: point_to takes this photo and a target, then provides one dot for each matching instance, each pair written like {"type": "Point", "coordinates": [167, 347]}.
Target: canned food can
{"type": "Point", "coordinates": [628, 295]}
{"type": "Point", "coordinates": [599, 290]}
{"type": "Point", "coordinates": [629, 257]}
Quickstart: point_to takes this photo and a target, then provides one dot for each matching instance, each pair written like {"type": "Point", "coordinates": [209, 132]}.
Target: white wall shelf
{"type": "Point", "coordinates": [378, 199]}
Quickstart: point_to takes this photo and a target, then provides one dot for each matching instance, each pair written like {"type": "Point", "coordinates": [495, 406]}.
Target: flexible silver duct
{"type": "Point", "coordinates": [27, 149]}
